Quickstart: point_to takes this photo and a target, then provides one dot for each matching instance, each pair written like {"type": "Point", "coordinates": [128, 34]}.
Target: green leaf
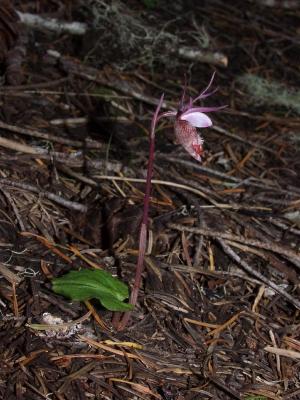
{"type": "Point", "coordinates": [93, 284]}
{"type": "Point", "coordinates": [114, 304]}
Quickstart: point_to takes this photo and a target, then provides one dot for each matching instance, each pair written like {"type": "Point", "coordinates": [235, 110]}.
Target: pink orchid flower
{"type": "Point", "coordinates": [188, 118]}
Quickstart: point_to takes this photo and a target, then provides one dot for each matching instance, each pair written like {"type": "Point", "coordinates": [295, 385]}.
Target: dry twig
{"type": "Point", "coordinates": [72, 205]}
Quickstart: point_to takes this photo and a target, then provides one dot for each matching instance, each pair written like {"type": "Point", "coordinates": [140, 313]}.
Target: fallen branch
{"type": "Point", "coordinates": [236, 182]}
{"type": "Point", "coordinates": [292, 255]}
{"type": "Point", "coordinates": [10, 276]}
{"type": "Point", "coordinates": [241, 139]}
{"type": "Point", "coordinates": [194, 54]}
{"type": "Point", "coordinates": [73, 160]}
{"type": "Point", "coordinates": [88, 143]}
{"type": "Point", "coordinates": [52, 24]}
{"type": "Point", "coordinates": [232, 254]}
{"type": "Point", "coordinates": [72, 205]}
{"type": "Point", "coordinates": [295, 355]}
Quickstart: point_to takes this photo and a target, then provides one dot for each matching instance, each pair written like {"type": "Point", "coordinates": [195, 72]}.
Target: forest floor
{"type": "Point", "coordinates": [218, 309]}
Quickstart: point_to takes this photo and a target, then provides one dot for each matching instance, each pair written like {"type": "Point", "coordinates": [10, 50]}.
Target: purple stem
{"type": "Point", "coordinates": [144, 225]}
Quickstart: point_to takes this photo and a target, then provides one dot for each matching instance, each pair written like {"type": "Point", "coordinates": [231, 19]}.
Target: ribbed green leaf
{"type": "Point", "coordinates": [93, 284]}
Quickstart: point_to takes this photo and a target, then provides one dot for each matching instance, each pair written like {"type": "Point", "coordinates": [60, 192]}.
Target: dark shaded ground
{"type": "Point", "coordinates": [75, 125]}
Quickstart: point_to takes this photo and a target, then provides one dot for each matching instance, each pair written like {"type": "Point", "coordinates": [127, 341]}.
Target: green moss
{"type": "Point", "coordinates": [270, 93]}
{"type": "Point", "coordinates": [150, 3]}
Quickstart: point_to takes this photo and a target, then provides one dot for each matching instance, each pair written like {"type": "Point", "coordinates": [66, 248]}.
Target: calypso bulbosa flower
{"type": "Point", "coordinates": [188, 118]}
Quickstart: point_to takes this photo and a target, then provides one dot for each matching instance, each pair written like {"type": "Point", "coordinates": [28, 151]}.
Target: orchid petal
{"type": "Point", "coordinates": [197, 119]}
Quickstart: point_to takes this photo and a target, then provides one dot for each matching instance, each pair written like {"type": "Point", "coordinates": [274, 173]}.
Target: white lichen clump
{"type": "Point", "coordinates": [65, 330]}
{"type": "Point", "coordinates": [270, 93]}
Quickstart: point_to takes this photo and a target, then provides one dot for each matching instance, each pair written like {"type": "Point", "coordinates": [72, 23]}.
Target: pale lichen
{"type": "Point", "coordinates": [270, 93]}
